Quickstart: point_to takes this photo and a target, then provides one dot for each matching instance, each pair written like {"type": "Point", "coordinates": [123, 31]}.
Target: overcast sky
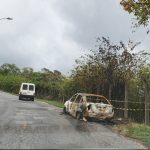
{"type": "Point", "coordinates": [53, 33]}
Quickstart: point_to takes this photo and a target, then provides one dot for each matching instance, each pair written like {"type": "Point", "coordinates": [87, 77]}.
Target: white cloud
{"type": "Point", "coordinates": [53, 33]}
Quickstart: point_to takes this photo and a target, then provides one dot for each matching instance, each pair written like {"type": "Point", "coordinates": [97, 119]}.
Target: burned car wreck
{"type": "Point", "coordinates": [85, 106]}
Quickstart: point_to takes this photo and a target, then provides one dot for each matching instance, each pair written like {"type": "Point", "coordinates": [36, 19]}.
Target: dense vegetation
{"type": "Point", "coordinates": [108, 69]}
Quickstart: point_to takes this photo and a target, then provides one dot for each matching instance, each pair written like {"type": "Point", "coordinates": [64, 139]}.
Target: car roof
{"type": "Point", "coordinates": [28, 83]}
{"type": "Point", "coordinates": [88, 94]}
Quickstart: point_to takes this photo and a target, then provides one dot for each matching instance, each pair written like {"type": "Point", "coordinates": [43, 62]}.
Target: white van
{"type": "Point", "coordinates": [27, 90]}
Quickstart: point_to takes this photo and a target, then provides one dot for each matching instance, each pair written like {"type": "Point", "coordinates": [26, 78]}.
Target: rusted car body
{"type": "Point", "coordinates": [83, 105]}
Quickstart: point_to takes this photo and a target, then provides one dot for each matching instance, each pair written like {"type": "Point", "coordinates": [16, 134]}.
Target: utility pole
{"type": "Point", "coordinates": [146, 103]}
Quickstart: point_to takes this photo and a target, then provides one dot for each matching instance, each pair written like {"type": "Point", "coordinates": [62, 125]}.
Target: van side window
{"type": "Point", "coordinates": [25, 86]}
{"type": "Point", "coordinates": [31, 87]}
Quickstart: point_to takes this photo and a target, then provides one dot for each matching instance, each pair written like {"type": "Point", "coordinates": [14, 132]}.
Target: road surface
{"type": "Point", "coordinates": [37, 125]}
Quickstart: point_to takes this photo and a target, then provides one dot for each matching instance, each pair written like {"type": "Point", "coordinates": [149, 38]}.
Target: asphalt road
{"type": "Point", "coordinates": [37, 125]}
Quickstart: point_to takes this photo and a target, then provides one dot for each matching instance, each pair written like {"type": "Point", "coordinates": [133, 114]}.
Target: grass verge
{"type": "Point", "coordinates": [53, 102]}
{"type": "Point", "coordinates": [140, 132]}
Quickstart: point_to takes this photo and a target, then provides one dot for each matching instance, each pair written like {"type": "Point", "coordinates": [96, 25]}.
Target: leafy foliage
{"type": "Point", "coordinates": [6, 69]}
{"type": "Point", "coordinates": [47, 83]}
{"type": "Point", "coordinates": [108, 66]}
{"type": "Point", "coordinates": [140, 9]}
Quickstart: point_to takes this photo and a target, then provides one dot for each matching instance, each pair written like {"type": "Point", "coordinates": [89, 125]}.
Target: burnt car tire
{"type": "Point", "coordinates": [64, 110]}
{"type": "Point", "coordinates": [109, 119]}
{"type": "Point", "coordinates": [79, 115]}
{"type": "Point", "coordinates": [89, 119]}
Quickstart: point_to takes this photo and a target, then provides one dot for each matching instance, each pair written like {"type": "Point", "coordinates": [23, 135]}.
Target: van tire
{"type": "Point", "coordinates": [32, 98]}
{"type": "Point", "coordinates": [20, 98]}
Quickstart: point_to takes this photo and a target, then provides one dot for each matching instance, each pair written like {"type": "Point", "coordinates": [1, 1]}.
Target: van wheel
{"type": "Point", "coordinates": [32, 98]}
{"type": "Point", "coordinates": [79, 115]}
{"type": "Point", "coordinates": [20, 97]}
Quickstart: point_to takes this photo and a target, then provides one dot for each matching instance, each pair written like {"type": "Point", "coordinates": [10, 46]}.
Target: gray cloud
{"type": "Point", "coordinates": [53, 33]}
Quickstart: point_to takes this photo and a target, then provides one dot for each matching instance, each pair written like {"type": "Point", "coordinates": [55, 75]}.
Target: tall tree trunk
{"type": "Point", "coordinates": [126, 100]}
{"type": "Point", "coordinates": [146, 103]}
{"type": "Point", "coordinates": [110, 89]}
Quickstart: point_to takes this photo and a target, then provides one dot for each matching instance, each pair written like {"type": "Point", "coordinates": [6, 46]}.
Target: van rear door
{"type": "Point", "coordinates": [28, 89]}
{"type": "Point", "coordinates": [31, 89]}
{"type": "Point", "coordinates": [24, 89]}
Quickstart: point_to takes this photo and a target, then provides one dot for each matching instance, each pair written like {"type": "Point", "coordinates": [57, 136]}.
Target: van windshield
{"type": "Point", "coordinates": [31, 87]}
{"type": "Point", "coordinates": [25, 86]}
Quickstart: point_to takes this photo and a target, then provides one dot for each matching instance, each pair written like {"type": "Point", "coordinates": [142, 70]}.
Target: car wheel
{"type": "Point", "coordinates": [89, 119]}
{"type": "Point", "coordinates": [109, 119]}
{"type": "Point", "coordinates": [32, 98]}
{"type": "Point", "coordinates": [79, 116]}
{"type": "Point", "coordinates": [64, 110]}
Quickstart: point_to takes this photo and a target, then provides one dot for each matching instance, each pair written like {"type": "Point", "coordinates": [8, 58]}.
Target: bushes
{"type": "Point", "coordinates": [11, 83]}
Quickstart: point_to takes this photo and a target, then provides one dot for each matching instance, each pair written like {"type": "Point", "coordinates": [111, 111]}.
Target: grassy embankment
{"type": "Point", "coordinates": [140, 132]}
{"type": "Point", "coordinates": [53, 102]}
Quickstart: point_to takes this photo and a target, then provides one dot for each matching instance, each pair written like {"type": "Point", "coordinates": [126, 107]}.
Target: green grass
{"type": "Point", "coordinates": [53, 102]}
{"type": "Point", "coordinates": [137, 131]}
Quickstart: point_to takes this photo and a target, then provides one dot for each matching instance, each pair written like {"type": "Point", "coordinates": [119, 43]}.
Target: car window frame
{"type": "Point", "coordinates": [77, 98]}
{"type": "Point", "coordinates": [73, 97]}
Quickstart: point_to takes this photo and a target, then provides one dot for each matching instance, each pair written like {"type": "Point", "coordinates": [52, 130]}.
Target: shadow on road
{"type": "Point", "coordinates": [89, 126]}
{"type": "Point", "coordinates": [25, 99]}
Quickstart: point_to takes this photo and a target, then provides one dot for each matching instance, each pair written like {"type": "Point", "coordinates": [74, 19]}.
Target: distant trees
{"type": "Point", "coordinates": [27, 70]}
{"type": "Point", "coordinates": [6, 69]}
{"type": "Point", "coordinates": [47, 82]}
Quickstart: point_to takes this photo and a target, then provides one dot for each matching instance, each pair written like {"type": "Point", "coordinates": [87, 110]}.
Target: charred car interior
{"type": "Point", "coordinates": [85, 106]}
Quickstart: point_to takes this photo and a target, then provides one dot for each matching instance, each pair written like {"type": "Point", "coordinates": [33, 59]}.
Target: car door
{"type": "Point", "coordinates": [75, 105]}
{"type": "Point", "coordinates": [71, 104]}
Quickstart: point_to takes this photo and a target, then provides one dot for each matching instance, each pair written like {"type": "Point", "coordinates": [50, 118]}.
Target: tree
{"type": "Point", "coordinates": [86, 77]}
{"type": "Point", "coordinates": [97, 68]}
{"type": "Point", "coordinates": [129, 64]}
{"type": "Point", "coordinates": [45, 70]}
{"type": "Point", "coordinates": [106, 56]}
{"type": "Point", "coordinates": [27, 71]}
{"type": "Point", "coordinates": [140, 9]}
{"type": "Point", "coordinates": [144, 75]}
{"type": "Point", "coordinates": [109, 65]}
{"type": "Point", "coordinates": [9, 69]}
